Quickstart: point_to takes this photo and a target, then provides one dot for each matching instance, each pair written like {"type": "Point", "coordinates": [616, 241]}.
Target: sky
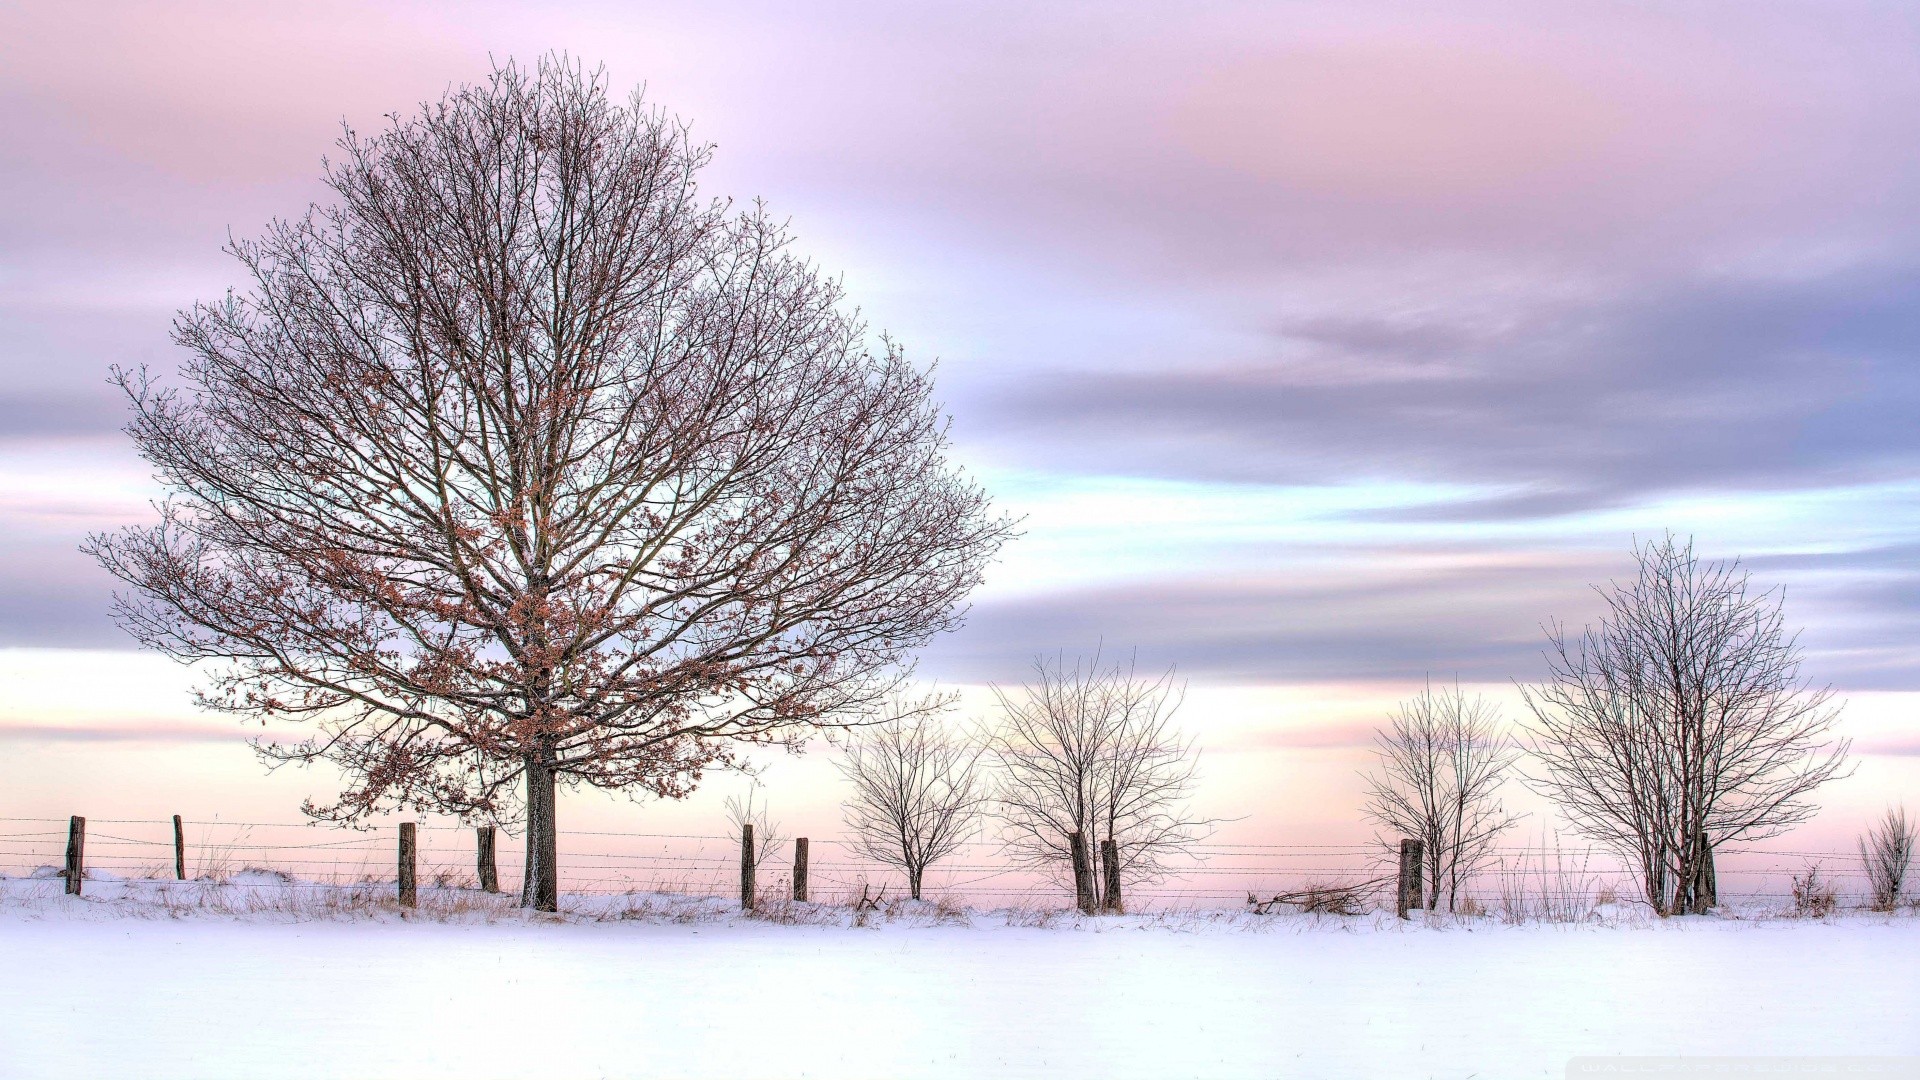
{"type": "Point", "coordinates": [1324, 348]}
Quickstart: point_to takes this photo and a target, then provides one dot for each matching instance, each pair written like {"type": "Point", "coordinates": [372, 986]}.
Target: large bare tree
{"type": "Point", "coordinates": [1092, 749]}
{"type": "Point", "coordinates": [917, 793]}
{"type": "Point", "coordinates": [1681, 722]}
{"type": "Point", "coordinates": [524, 465]}
{"type": "Point", "coordinates": [1439, 766]}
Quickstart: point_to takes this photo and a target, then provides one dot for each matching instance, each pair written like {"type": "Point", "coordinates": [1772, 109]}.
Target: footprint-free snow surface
{"type": "Point", "coordinates": [127, 986]}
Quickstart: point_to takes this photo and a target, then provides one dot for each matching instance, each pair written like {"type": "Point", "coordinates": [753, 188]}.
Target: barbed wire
{"type": "Point", "coordinates": [371, 836]}
{"type": "Point", "coordinates": [1220, 872]}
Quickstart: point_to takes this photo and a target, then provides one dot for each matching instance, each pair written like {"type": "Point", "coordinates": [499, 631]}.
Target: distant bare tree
{"type": "Point", "coordinates": [1439, 769]}
{"type": "Point", "coordinates": [766, 831]}
{"type": "Point", "coordinates": [1680, 722]}
{"type": "Point", "coordinates": [525, 465]}
{"type": "Point", "coordinates": [1887, 853]}
{"type": "Point", "coordinates": [918, 793]}
{"type": "Point", "coordinates": [1093, 750]}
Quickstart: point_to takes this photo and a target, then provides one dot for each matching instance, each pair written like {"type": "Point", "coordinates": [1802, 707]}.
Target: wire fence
{"type": "Point", "coordinates": [292, 855]}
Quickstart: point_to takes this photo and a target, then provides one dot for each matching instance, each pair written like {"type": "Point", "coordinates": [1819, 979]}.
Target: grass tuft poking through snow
{"type": "Point", "coordinates": [261, 894]}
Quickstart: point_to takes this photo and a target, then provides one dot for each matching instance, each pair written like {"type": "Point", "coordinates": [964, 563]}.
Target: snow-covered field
{"type": "Point", "coordinates": [260, 979]}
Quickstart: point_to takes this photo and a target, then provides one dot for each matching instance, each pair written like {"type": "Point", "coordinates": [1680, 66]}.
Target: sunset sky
{"type": "Point", "coordinates": [1323, 351]}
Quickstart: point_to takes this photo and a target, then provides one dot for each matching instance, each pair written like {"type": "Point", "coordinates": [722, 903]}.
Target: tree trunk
{"type": "Point", "coordinates": [540, 888]}
{"type": "Point", "coordinates": [1693, 878]}
{"type": "Point", "coordinates": [913, 880]}
{"type": "Point", "coordinates": [1653, 880]}
{"type": "Point", "coordinates": [1082, 873]}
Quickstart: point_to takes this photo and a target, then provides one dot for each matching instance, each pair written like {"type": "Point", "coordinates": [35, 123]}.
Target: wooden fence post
{"type": "Point", "coordinates": [800, 869]}
{"type": "Point", "coordinates": [76, 854]}
{"type": "Point", "coordinates": [1709, 884]}
{"type": "Point", "coordinates": [1411, 857]}
{"type": "Point", "coordinates": [1082, 872]}
{"type": "Point", "coordinates": [746, 867]}
{"type": "Point", "coordinates": [179, 850]}
{"type": "Point", "coordinates": [489, 871]}
{"type": "Point", "coordinates": [408, 896]}
{"type": "Point", "coordinates": [1110, 870]}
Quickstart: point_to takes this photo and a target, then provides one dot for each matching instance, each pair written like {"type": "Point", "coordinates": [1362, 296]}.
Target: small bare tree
{"type": "Point", "coordinates": [918, 793]}
{"type": "Point", "coordinates": [1439, 768]}
{"type": "Point", "coordinates": [1887, 853]}
{"type": "Point", "coordinates": [766, 831]}
{"type": "Point", "coordinates": [1093, 750]}
{"type": "Point", "coordinates": [1681, 722]}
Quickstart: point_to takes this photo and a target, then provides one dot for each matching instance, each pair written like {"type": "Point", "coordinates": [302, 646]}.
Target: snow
{"type": "Point", "coordinates": [251, 980]}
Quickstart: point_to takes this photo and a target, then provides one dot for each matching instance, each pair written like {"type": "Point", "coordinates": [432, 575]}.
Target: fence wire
{"type": "Point", "coordinates": [300, 855]}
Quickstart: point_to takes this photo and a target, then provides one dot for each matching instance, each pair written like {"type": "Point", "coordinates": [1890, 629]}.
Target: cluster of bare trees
{"type": "Point", "coordinates": [1680, 722]}
{"type": "Point", "coordinates": [1676, 724]}
{"type": "Point", "coordinates": [1084, 770]}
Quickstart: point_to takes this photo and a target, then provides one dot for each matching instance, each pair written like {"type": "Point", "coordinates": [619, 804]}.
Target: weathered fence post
{"type": "Point", "coordinates": [800, 869]}
{"type": "Point", "coordinates": [179, 850]}
{"type": "Point", "coordinates": [746, 867]}
{"type": "Point", "coordinates": [76, 854]}
{"type": "Point", "coordinates": [489, 870]}
{"type": "Point", "coordinates": [1704, 886]}
{"type": "Point", "coordinates": [1411, 856]}
{"type": "Point", "coordinates": [1110, 871]}
{"type": "Point", "coordinates": [1709, 885]}
{"type": "Point", "coordinates": [408, 896]}
{"type": "Point", "coordinates": [1082, 872]}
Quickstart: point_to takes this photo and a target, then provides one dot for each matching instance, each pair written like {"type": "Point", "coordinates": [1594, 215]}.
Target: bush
{"type": "Point", "coordinates": [1813, 895]}
{"type": "Point", "coordinates": [1887, 852]}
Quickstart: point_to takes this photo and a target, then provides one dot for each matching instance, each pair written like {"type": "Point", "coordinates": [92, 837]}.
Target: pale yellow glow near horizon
{"type": "Point", "coordinates": [113, 735]}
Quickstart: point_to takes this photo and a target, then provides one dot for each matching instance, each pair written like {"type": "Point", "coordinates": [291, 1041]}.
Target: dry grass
{"type": "Point", "coordinates": [446, 878]}
{"type": "Point", "coordinates": [1032, 917]}
{"type": "Point", "coordinates": [1545, 891]}
{"type": "Point", "coordinates": [1319, 898]}
{"type": "Point", "coordinates": [1550, 888]}
{"type": "Point", "coordinates": [948, 909]}
{"type": "Point", "coordinates": [782, 909]}
{"type": "Point", "coordinates": [1813, 896]}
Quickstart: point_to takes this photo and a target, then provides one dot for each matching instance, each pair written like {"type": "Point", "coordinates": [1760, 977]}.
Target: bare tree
{"type": "Point", "coordinates": [1680, 722]}
{"type": "Point", "coordinates": [1093, 750]}
{"type": "Point", "coordinates": [917, 794]}
{"type": "Point", "coordinates": [1439, 768]}
{"type": "Point", "coordinates": [1887, 853]}
{"type": "Point", "coordinates": [523, 465]}
{"type": "Point", "coordinates": [766, 831]}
